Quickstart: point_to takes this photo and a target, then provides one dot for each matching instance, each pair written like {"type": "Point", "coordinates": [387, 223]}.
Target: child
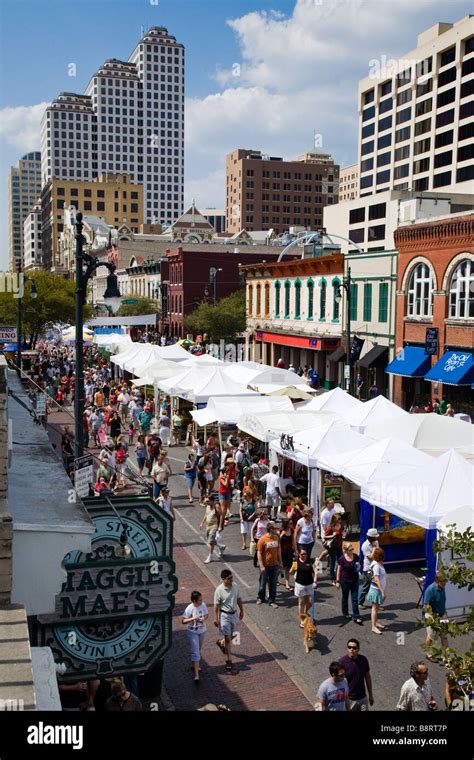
{"type": "Point", "coordinates": [131, 433]}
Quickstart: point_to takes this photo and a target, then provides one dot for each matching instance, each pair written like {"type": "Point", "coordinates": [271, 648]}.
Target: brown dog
{"type": "Point", "coordinates": [310, 631]}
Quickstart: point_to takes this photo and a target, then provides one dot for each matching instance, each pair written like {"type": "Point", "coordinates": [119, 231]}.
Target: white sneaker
{"type": "Point", "coordinates": [207, 560]}
{"type": "Point", "coordinates": [221, 549]}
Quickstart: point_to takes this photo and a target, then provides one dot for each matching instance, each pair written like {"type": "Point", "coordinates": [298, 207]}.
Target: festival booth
{"type": "Point", "coordinates": [431, 433]}
{"type": "Point", "coordinates": [226, 411]}
{"type": "Point", "coordinates": [263, 378]}
{"type": "Point", "coordinates": [336, 400]}
{"type": "Point", "coordinates": [378, 409]}
{"type": "Point", "coordinates": [200, 385]}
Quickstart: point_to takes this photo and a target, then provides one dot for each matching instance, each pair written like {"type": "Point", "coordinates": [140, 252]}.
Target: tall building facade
{"type": "Point", "coordinates": [349, 183]}
{"type": "Point", "coordinates": [24, 188]}
{"type": "Point", "coordinates": [416, 115]}
{"type": "Point", "coordinates": [264, 192]}
{"type": "Point", "coordinates": [114, 197]}
{"type": "Point", "coordinates": [129, 120]}
{"type": "Point", "coordinates": [32, 253]}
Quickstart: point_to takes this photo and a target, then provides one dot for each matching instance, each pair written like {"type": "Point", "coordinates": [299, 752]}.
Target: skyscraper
{"type": "Point", "coordinates": [129, 120]}
{"type": "Point", "coordinates": [24, 188]}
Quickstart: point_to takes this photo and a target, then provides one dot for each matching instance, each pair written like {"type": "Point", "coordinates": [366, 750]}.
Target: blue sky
{"type": "Point", "coordinates": [299, 63]}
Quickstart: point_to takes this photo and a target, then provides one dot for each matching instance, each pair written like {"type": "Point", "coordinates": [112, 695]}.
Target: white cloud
{"type": "Point", "coordinates": [20, 126]}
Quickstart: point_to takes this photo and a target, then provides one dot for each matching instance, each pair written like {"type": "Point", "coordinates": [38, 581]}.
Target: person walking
{"type": "Point", "coordinates": [287, 550]}
{"type": "Point", "coordinates": [177, 426]}
{"type": "Point", "coordinates": [166, 503]}
{"type": "Point", "coordinates": [214, 522]}
{"type": "Point", "coordinates": [358, 676]}
{"type": "Point", "coordinates": [416, 694]}
{"type": "Point", "coordinates": [259, 529]}
{"type": "Point", "coordinates": [140, 453]}
{"type": "Point", "coordinates": [305, 532]}
{"type": "Point", "coordinates": [226, 618]}
{"type": "Point", "coordinates": [435, 597]}
{"type": "Point", "coordinates": [347, 579]}
{"type": "Point", "coordinates": [325, 519]}
{"type": "Point", "coordinates": [225, 491]}
{"type": "Point", "coordinates": [194, 618]}
{"type": "Point", "coordinates": [247, 514]}
{"type": "Point", "coordinates": [165, 429]}
{"type": "Point", "coordinates": [273, 494]}
{"type": "Point", "coordinates": [333, 693]}
{"type": "Point", "coordinates": [114, 426]}
{"type": "Point", "coordinates": [269, 562]}
{"type": "Point", "coordinates": [190, 471]}
{"type": "Point", "coordinates": [160, 473]}
{"type": "Point", "coordinates": [123, 402]}
{"type": "Point", "coordinates": [367, 549]}
{"type": "Point", "coordinates": [305, 582]}
{"type": "Point", "coordinates": [333, 539]}
{"type": "Point", "coordinates": [376, 595]}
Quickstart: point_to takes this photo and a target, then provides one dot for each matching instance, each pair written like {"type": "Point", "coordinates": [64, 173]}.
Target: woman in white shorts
{"type": "Point", "coordinates": [305, 582]}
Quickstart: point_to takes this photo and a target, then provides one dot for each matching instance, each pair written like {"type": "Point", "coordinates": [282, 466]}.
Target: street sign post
{"type": "Point", "coordinates": [129, 301]}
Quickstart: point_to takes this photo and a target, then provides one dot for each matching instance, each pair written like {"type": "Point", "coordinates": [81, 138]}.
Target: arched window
{"type": "Point", "coordinates": [267, 300]}
{"type": "Point", "coordinates": [287, 299]}
{"type": "Point", "coordinates": [322, 299]}
{"type": "Point", "coordinates": [250, 301]}
{"type": "Point", "coordinates": [310, 285]}
{"type": "Point", "coordinates": [297, 299]}
{"type": "Point", "coordinates": [461, 291]}
{"type": "Point", "coordinates": [336, 289]}
{"type": "Point", "coordinates": [277, 298]}
{"type": "Point", "coordinates": [258, 298]}
{"type": "Point", "coordinates": [420, 292]}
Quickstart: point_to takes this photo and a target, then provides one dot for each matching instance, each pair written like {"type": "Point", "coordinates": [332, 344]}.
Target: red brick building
{"type": "Point", "coordinates": [436, 290]}
{"type": "Point", "coordinates": [186, 279]}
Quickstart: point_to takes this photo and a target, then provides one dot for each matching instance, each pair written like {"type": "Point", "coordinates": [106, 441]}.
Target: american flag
{"type": "Point", "coordinates": [112, 255]}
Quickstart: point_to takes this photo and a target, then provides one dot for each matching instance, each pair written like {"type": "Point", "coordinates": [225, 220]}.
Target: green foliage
{"type": "Point", "coordinates": [144, 306]}
{"type": "Point", "coordinates": [55, 303]}
{"type": "Point", "coordinates": [459, 664]}
{"type": "Point", "coordinates": [224, 321]}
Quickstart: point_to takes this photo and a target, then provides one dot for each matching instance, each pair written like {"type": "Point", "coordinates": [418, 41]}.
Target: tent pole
{"type": "Point", "coordinates": [219, 432]}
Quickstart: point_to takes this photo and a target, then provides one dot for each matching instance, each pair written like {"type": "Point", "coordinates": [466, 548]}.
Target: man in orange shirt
{"type": "Point", "coordinates": [270, 563]}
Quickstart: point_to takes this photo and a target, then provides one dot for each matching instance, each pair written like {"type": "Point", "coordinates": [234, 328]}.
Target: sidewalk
{"type": "Point", "coordinates": [259, 683]}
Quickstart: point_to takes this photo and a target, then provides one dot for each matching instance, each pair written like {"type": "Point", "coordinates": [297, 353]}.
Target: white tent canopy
{"type": "Point", "coordinates": [310, 446]}
{"type": "Point", "coordinates": [371, 412]}
{"type": "Point", "coordinates": [431, 433]}
{"type": "Point", "coordinates": [199, 385]}
{"type": "Point", "coordinates": [336, 400]}
{"type": "Point", "coordinates": [159, 370]}
{"type": "Point", "coordinates": [378, 460]}
{"type": "Point", "coordinates": [228, 410]}
{"type": "Point", "coordinates": [426, 495]}
{"type": "Point", "coordinates": [203, 360]}
{"type": "Point", "coordinates": [140, 355]}
{"type": "Point", "coordinates": [112, 339]}
{"type": "Point", "coordinates": [261, 373]}
{"type": "Point", "coordinates": [267, 426]}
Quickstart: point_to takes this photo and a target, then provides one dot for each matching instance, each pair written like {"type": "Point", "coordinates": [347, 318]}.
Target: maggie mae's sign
{"type": "Point", "coordinates": [113, 614]}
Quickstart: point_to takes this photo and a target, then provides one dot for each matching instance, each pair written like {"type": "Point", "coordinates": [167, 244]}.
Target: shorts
{"type": "Point", "coordinates": [245, 527]}
{"type": "Point", "coordinates": [303, 590]}
{"type": "Point", "coordinates": [211, 535]}
{"type": "Point", "coordinates": [272, 500]}
{"type": "Point", "coordinates": [228, 624]}
{"type": "Point", "coordinates": [225, 496]}
{"type": "Point", "coordinates": [190, 481]}
{"type": "Point", "coordinates": [432, 634]}
{"type": "Point", "coordinates": [157, 489]}
{"type": "Point", "coordinates": [374, 596]}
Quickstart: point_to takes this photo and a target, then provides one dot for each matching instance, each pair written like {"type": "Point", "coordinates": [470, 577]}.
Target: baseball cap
{"type": "Point", "coordinates": [373, 533]}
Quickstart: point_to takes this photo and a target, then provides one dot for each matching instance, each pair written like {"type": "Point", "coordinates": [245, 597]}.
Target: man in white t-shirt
{"type": "Point", "coordinates": [124, 400]}
{"type": "Point", "coordinates": [273, 492]}
{"type": "Point", "coordinates": [366, 551]}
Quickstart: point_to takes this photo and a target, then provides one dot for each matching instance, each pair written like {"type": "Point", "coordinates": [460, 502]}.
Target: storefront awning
{"type": "Point", "coordinates": [454, 368]}
{"type": "Point", "coordinates": [339, 355]}
{"type": "Point", "coordinates": [410, 362]}
{"type": "Point", "coordinates": [376, 357]}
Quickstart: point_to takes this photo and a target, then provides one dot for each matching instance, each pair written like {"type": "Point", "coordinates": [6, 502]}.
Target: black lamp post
{"type": "Point", "coordinates": [19, 313]}
{"type": "Point", "coordinates": [112, 295]}
{"type": "Point", "coordinates": [213, 272]}
{"type": "Point", "coordinates": [346, 284]}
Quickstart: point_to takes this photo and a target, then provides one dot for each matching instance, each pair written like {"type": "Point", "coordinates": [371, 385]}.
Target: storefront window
{"type": "Point", "coordinates": [420, 292]}
{"type": "Point", "coordinates": [461, 291]}
{"type": "Point", "coordinates": [310, 298]}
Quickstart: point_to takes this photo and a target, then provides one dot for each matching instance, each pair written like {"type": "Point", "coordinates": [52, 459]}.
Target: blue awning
{"type": "Point", "coordinates": [410, 362]}
{"type": "Point", "coordinates": [454, 368]}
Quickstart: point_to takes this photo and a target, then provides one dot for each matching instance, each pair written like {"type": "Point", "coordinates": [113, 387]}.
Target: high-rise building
{"type": "Point", "coordinates": [416, 115]}
{"type": "Point", "coordinates": [24, 188]}
{"type": "Point", "coordinates": [264, 192]}
{"type": "Point", "coordinates": [216, 217]}
{"type": "Point", "coordinates": [349, 183]}
{"type": "Point", "coordinates": [32, 254]}
{"type": "Point", "coordinates": [130, 120]}
{"type": "Point", "coordinates": [113, 197]}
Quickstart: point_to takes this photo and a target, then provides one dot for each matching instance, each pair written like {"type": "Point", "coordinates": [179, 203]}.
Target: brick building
{"type": "Point", "coordinates": [435, 290]}
{"type": "Point", "coordinates": [186, 279]}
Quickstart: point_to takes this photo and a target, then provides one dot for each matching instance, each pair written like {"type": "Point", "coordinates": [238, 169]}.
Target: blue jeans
{"type": "Point", "coordinates": [270, 576]}
{"type": "Point", "coordinates": [352, 589]}
{"type": "Point", "coordinates": [334, 555]}
{"type": "Point", "coordinates": [364, 587]}
{"type": "Point", "coordinates": [195, 642]}
{"type": "Point", "coordinates": [157, 489]}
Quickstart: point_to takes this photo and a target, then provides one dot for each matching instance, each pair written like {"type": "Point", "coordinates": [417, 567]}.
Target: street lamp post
{"type": "Point", "coordinates": [213, 272]}
{"type": "Point", "coordinates": [19, 313]}
{"type": "Point", "coordinates": [112, 295]}
{"type": "Point", "coordinates": [346, 284]}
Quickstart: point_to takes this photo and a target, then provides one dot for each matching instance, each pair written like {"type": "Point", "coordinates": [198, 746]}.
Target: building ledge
{"type": "Point", "coordinates": [459, 322]}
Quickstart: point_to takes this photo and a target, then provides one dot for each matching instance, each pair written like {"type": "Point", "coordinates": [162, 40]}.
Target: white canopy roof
{"type": "Point", "coordinates": [228, 410]}
{"type": "Point", "coordinates": [199, 385]}
{"type": "Point", "coordinates": [112, 339]}
{"type": "Point", "coordinates": [336, 400]}
{"type": "Point", "coordinates": [205, 359]}
{"type": "Point", "coordinates": [431, 433]}
{"type": "Point", "coordinates": [377, 460]}
{"type": "Point", "coordinates": [257, 374]}
{"type": "Point", "coordinates": [266, 426]}
{"type": "Point", "coordinates": [141, 355]}
{"type": "Point", "coordinates": [429, 494]}
{"type": "Point", "coordinates": [158, 370]}
{"type": "Point", "coordinates": [311, 446]}
{"type": "Point", "coordinates": [376, 410]}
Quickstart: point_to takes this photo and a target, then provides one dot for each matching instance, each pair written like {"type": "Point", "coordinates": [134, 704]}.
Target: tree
{"type": "Point", "coordinates": [224, 321]}
{"type": "Point", "coordinates": [459, 664]}
{"type": "Point", "coordinates": [143, 306]}
{"type": "Point", "coordinates": [55, 303]}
